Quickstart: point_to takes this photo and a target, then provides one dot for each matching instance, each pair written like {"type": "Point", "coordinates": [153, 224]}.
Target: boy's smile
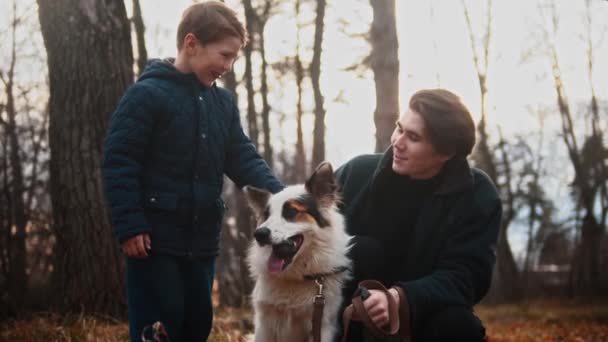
{"type": "Point", "coordinates": [208, 61]}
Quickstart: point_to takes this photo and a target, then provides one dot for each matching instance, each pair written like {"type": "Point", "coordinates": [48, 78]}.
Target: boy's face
{"type": "Point", "coordinates": [210, 61]}
{"type": "Point", "coordinates": [413, 153]}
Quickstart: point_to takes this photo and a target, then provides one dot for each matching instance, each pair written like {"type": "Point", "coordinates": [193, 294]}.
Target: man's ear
{"type": "Point", "coordinates": [257, 199]}
{"type": "Point", "coordinates": [322, 183]}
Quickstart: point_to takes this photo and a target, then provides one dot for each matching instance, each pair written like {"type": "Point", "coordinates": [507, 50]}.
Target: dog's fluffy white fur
{"type": "Point", "coordinates": [283, 300]}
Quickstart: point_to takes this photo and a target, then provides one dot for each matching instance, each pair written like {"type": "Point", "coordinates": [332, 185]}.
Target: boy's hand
{"type": "Point", "coordinates": [137, 246]}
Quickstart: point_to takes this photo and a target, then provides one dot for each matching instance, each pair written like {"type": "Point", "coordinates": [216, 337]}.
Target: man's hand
{"type": "Point", "coordinates": [137, 246]}
{"type": "Point", "coordinates": [377, 306]}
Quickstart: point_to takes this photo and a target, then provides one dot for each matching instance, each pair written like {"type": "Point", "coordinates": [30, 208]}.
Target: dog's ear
{"type": "Point", "coordinates": [257, 199]}
{"type": "Point", "coordinates": [322, 183]}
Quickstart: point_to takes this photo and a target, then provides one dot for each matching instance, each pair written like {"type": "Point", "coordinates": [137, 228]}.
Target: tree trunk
{"type": "Point", "coordinates": [385, 64]}
{"type": "Point", "coordinates": [90, 65]}
{"type": "Point", "coordinates": [299, 170]}
{"type": "Point", "coordinates": [140, 29]}
{"type": "Point", "coordinates": [252, 120]}
{"type": "Point", "coordinates": [17, 279]}
{"type": "Point", "coordinates": [318, 146]}
{"type": "Point", "coordinates": [586, 262]}
{"type": "Point", "coordinates": [505, 284]}
{"type": "Point", "coordinates": [268, 154]}
{"type": "Point", "coordinates": [587, 258]}
{"type": "Point", "coordinates": [234, 281]}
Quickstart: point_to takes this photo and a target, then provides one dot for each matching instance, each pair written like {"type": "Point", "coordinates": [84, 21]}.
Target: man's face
{"type": "Point", "coordinates": [413, 153]}
{"type": "Point", "coordinates": [210, 61]}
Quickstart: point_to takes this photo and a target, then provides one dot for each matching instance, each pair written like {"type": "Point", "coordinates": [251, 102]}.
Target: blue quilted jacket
{"type": "Point", "coordinates": [168, 146]}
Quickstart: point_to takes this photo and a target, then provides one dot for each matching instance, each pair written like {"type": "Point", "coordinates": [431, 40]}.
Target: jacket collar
{"type": "Point", "coordinates": [456, 174]}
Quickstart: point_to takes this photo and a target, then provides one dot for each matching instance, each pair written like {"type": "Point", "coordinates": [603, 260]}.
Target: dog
{"type": "Point", "coordinates": [299, 254]}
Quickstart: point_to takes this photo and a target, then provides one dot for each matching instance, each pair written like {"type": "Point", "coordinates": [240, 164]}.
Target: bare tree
{"type": "Point", "coordinates": [251, 25]}
{"type": "Point", "coordinates": [589, 163]}
{"type": "Point", "coordinates": [384, 62]}
{"type": "Point", "coordinates": [505, 282]}
{"type": "Point", "coordinates": [318, 146]}
{"type": "Point", "coordinates": [140, 29]}
{"type": "Point", "coordinates": [535, 200]}
{"type": "Point", "coordinates": [299, 170]}
{"type": "Point", "coordinates": [90, 65]}
{"type": "Point", "coordinates": [16, 243]}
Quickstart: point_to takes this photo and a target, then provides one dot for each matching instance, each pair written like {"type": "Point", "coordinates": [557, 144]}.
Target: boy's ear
{"type": "Point", "coordinates": [190, 42]}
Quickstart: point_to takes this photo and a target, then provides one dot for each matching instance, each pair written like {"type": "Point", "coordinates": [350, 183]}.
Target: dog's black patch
{"type": "Point", "coordinates": [305, 204]}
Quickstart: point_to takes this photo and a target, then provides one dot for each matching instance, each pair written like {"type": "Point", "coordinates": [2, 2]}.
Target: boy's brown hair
{"type": "Point", "coordinates": [448, 121]}
{"type": "Point", "coordinates": [210, 21]}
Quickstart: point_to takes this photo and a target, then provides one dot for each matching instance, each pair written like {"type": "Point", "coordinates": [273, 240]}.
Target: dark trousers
{"type": "Point", "coordinates": [450, 324]}
{"type": "Point", "coordinates": [171, 290]}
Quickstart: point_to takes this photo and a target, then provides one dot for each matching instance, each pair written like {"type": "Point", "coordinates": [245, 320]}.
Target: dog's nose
{"type": "Point", "coordinates": [262, 236]}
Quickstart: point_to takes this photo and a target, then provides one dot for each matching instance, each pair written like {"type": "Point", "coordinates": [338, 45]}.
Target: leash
{"type": "Point", "coordinates": [319, 300]}
{"type": "Point", "coordinates": [396, 327]}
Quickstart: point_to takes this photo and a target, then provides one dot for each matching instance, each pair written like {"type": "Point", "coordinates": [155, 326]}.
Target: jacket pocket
{"type": "Point", "coordinates": [161, 200]}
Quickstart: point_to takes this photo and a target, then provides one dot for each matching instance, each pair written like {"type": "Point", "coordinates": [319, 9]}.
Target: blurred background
{"type": "Point", "coordinates": [320, 80]}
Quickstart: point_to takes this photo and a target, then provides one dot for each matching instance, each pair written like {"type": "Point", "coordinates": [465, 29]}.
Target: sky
{"type": "Point", "coordinates": [434, 51]}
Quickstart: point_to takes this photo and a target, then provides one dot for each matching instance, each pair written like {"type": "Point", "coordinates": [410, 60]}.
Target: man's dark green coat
{"type": "Point", "coordinates": [447, 259]}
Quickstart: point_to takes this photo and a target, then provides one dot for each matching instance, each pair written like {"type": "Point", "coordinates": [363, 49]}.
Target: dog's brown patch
{"type": "Point", "coordinates": [301, 212]}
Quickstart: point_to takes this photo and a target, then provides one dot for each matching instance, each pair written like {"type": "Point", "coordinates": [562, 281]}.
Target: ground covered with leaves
{"type": "Point", "coordinates": [535, 321]}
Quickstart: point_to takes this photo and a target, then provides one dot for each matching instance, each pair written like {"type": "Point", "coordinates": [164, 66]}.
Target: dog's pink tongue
{"type": "Point", "coordinates": [275, 265]}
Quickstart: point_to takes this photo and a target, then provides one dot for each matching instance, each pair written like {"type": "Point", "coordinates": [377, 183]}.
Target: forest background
{"type": "Point", "coordinates": [320, 80]}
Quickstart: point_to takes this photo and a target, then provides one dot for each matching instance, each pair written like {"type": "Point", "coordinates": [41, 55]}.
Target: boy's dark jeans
{"type": "Point", "coordinates": [174, 291]}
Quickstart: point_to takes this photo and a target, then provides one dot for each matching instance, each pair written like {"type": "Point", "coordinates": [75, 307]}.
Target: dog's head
{"type": "Point", "coordinates": [296, 219]}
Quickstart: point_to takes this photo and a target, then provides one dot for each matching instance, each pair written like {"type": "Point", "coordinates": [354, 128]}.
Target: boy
{"type": "Point", "coordinates": [171, 139]}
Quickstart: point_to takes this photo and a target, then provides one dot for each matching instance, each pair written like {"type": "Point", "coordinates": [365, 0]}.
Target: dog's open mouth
{"type": "Point", "coordinates": [283, 253]}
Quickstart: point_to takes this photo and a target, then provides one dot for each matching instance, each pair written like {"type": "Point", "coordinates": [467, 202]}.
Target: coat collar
{"type": "Point", "coordinates": [456, 174]}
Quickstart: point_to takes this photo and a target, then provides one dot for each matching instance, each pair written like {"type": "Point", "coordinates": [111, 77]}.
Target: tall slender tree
{"type": "Point", "coordinates": [505, 284]}
{"type": "Point", "coordinates": [384, 61]}
{"type": "Point", "coordinates": [16, 190]}
{"type": "Point", "coordinates": [588, 162]}
{"type": "Point", "coordinates": [140, 30]}
{"type": "Point", "coordinates": [318, 145]}
{"type": "Point", "coordinates": [90, 63]}
{"type": "Point", "coordinates": [299, 170]}
{"type": "Point", "coordinates": [251, 25]}
{"type": "Point", "coordinates": [262, 20]}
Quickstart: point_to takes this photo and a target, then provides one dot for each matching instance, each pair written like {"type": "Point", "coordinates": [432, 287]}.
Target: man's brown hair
{"type": "Point", "coordinates": [210, 21]}
{"type": "Point", "coordinates": [448, 121]}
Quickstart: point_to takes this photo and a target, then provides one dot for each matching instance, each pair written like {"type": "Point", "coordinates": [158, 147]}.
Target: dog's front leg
{"type": "Point", "coordinates": [262, 330]}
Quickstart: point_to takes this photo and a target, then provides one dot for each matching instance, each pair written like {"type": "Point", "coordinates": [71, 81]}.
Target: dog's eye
{"type": "Point", "coordinates": [289, 212]}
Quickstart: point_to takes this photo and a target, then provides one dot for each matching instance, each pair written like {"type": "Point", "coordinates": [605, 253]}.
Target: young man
{"type": "Point", "coordinates": [425, 223]}
{"type": "Point", "coordinates": [171, 140]}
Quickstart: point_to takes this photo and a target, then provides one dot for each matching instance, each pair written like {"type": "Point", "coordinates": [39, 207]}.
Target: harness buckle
{"type": "Point", "coordinates": [319, 282]}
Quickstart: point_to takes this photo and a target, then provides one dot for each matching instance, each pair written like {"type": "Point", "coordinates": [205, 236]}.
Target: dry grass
{"type": "Point", "coordinates": [546, 321]}
{"type": "Point", "coordinates": [536, 321]}
{"type": "Point", "coordinates": [53, 327]}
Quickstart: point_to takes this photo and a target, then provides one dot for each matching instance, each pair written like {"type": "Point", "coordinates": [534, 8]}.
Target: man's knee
{"type": "Point", "coordinates": [453, 322]}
